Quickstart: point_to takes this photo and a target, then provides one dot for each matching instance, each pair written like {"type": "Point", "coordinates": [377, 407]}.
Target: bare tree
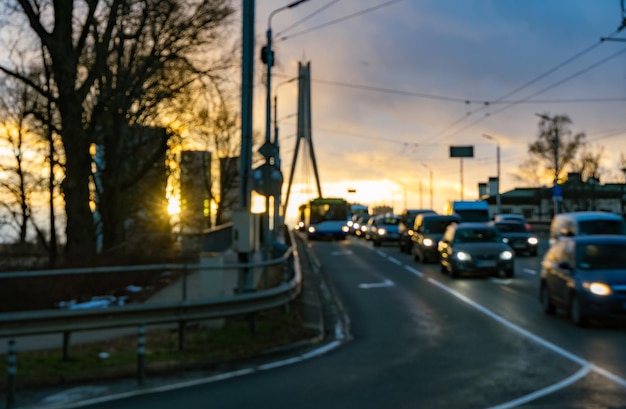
{"type": "Point", "coordinates": [556, 145]}
{"type": "Point", "coordinates": [113, 66]}
{"type": "Point", "coordinates": [588, 162]}
{"type": "Point", "coordinates": [21, 169]}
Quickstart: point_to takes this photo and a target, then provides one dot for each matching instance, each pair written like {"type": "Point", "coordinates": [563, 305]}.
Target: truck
{"type": "Point", "coordinates": [468, 210]}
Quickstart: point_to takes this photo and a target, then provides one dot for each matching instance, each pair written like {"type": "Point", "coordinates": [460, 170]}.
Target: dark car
{"type": "Point", "coordinates": [385, 229]}
{"type": "Point", "coordinates": [518, 237]}
{"type": "Point", "coordinates": [405, 228]}
{"type": "Point", "coordinates": [427, 231]}
{"type": "Point", "coordinates": [585, 276]}
{"type": "Point", "coordinates": [511, 217]}
{"type": "Point", "coordinates": [475, 248]}
{"type": "Point", "coordinates": [359, 227]}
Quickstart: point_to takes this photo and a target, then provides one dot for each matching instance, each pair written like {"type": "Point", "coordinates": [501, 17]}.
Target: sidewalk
{"type": "Point", "coordinates": [213, 283]}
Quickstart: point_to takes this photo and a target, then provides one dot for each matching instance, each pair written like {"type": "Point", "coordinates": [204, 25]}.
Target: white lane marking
{"type": "Point", "coordinates": [341, 253]}
{"type": "Point", "coordinates": [501, 280]}
{"type": "Point", "coordinates": [381, 253]}
{"type": "Point", "coordinates": [395, 261]}
{"type": "Point", "coordinates": [547, 344]}
{"type": "Point", "coordinates": [386, 283]}
{"type": "Point", "coordinates": [529, 271]}
{"type": "Point", "coordinates": [609, 375]}
{"type": "Point", "coordinates": [510, 325]}
{"type": "Point", "coordinates": [546, 391]}
{"type": "Point", "coordinates": [413, 271]}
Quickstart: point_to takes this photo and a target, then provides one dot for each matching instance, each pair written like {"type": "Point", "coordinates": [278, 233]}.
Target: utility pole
{"type": "Point", "coordinates": [498, 197]}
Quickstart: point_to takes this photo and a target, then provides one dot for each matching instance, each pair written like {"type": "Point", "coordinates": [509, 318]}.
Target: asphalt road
{"type": "Point", "coordinates": [422, 340]}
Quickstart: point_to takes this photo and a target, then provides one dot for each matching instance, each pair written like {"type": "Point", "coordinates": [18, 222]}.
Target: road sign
{"type": "Point", "coordinates": [267, 180]}
{"type": "Point", "coordinates": [461, 151]}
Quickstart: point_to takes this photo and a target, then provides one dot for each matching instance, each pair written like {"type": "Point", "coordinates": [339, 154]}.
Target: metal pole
{"type": "Point", "coordinates": [11, 371]}
{"type": "Point", "coordinates": [557, 203]}
{"type": "Point", "coordinates": [461, 178]}
{"type": "Point", "coordinates": [277, 222]}
{"type": "Point", "coordinates": [431, 189]}
{"type": "Point", "coordinates": [141, 352]}
{"type": "Point", "coordinates": [245, 157]}
{"type": "Point", "coordinates": [498, 197]}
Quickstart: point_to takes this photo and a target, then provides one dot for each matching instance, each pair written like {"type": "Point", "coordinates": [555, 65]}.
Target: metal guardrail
{"type": "Point", "coordinates": [27, 323]}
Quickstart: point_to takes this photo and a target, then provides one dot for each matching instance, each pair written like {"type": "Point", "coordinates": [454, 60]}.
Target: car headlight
{"type": "Point", "coordinates": [463, 256]}
{"type": "Point", "coordinates": [382, 232]}
{"type": "Point", "coordinates": [350, 223]}
{"type": "Point", "coordinates": [301, 224]}
{"type": "Point", "coordinates": [598, 288]}
{"type": "Point", "coordinates": [364, 228]}
{"type": "Point", "coordinates": [506, 255]}
{"type": "Point", "coordinates": [428, 242]}
{"type": "Point", "coordinates": [533, 241]}
{"type": "Point", "coordinates": [356, 226]}
{"type": "Point", "coordinates": [505, 240]}
{"type": "Point", "coordinates": [312, 229]}
{"type": "Point", "coordinates": [345, 229]}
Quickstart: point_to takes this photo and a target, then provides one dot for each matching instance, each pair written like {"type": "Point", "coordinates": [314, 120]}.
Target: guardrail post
{"type": "Point", "coordinates": [66, 345]}
{"type": "Point", "coordinates": [182, 335]}
{"type": "Point", "coordinates": [11, 371]}
{"type": "Point", "coordinates": [141, 352]}
{"type": "Point", "coordinates": [185, 283]}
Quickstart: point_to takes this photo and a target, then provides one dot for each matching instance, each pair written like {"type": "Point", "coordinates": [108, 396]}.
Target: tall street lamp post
{"type": "Point", "coordinates": [267, 56]}
{"type": "Point", "coordinates": [430, 171]}
{"type": "Point", "coordinates": [498, 198]}
{"type": "Point", "coordinates": [277, 198]}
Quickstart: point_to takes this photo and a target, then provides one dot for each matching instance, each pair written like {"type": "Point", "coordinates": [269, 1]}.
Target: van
{"type": "Point", "coordinates": [586, 223]}
{"type": "Point", "coordinates": [469, 211]}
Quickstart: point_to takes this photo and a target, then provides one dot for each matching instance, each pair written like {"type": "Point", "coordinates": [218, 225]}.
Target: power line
{"type": "Point", "coordinates": [307, 17]}
{"type": "Point", "coordinates": [339, 20]}
{"type": "Point", "coordinates": [395, 91]}
{"type": "Point", "coordinates": [525, 85]}
{"type": "Point", "coordinates": [461, 100]}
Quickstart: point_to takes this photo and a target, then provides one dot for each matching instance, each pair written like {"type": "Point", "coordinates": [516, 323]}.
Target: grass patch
{"type": "Point", "coordinates": [205, 348]}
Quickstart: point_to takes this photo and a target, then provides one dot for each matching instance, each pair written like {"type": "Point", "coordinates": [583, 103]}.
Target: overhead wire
{"type": "Point", "coordinates": [305, 18]}
{"type": "Point", "coordinates": [531, 82]}
{"type": "Point", "coordinates": [340, 19]}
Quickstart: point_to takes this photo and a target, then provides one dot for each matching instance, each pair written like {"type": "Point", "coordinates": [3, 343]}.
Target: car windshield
{"type": "Point", "coordinates": [601, 256]}
{"type": "Point", "coordinates": [590, 227]}
{"type": "Point", "coordinates": [477, 236]}
{"type": "Point", "coordinates": [436, 226]}
{"type": "Point", "coordinates": [511, 227]}
{"type": "Point", "coordinates": [389, 221]}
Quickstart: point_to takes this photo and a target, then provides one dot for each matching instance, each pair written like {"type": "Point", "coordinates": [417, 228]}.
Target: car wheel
{"type": "Point", "coordinates": [533, 253]}
{"type": "Point", "coordinates": [443, 268]}
{"type": "Point", "coordinates": [576, 312]}
{"type": "Point", "coordinates": [454, 272]}
{"type": "Point", "coordinates": [546, 301]}
{"type": "Point", "coordinates": [376, 243]}
{"type": "Point", "coordinates": [510, 273]}
{"type": "Point", "coordinates": [416, 257]}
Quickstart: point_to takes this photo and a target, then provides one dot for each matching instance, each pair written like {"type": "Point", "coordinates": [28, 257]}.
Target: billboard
{"type": "Point", "coordinates": [461, 151]}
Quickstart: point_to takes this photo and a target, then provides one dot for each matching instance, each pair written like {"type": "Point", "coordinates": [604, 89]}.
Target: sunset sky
{"type": "Point", "coordinates": [396, 83]}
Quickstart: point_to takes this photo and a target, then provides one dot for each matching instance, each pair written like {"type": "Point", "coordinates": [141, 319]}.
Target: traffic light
{"type": "Point", "coordinates": [264, 55]}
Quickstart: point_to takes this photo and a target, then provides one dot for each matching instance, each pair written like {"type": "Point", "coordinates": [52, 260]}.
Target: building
{"type": "Point", "coordinates": [577, 195]}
